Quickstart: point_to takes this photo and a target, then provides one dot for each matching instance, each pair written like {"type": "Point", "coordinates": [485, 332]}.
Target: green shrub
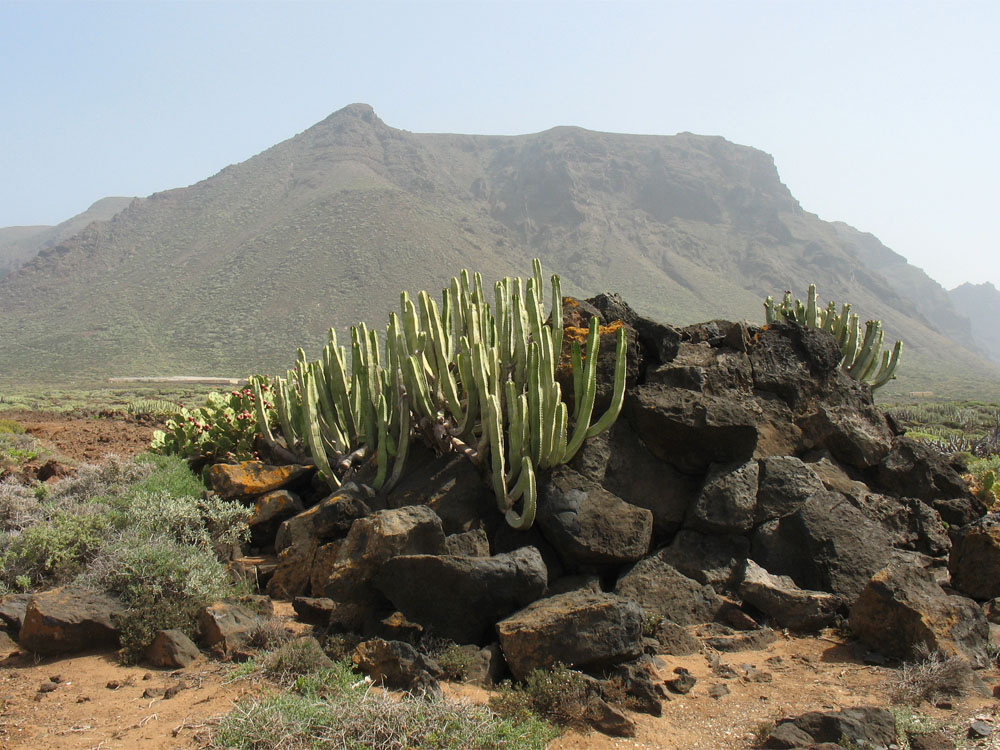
{"type": "Point", "coordinates": [162, 583]}
{"type": "Point", "coordinates": [9, 426]}
{"type": "Point", "coordinates": [169, 474]}
{"type": "Point", "coordinates": [19, 507]}
{"type": "Point", "coordinates": [559, 695]}
{"type": "Point", "coordinates": [52, 551]}
{"type": "Point", "coordinates": [454, 662]}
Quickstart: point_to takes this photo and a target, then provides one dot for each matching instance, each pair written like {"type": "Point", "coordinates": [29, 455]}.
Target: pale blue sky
{"type": "Point", "coordinates": [881, 114]}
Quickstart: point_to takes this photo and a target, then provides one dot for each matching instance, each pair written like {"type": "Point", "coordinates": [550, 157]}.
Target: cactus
{"type": "Point", "coordinates": [863, 358]}
{"type": "Point", "coordinates": [464, 376]}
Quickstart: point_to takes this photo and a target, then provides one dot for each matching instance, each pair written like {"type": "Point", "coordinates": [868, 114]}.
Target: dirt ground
{"type": "Point", "coordinates": [98, 704]}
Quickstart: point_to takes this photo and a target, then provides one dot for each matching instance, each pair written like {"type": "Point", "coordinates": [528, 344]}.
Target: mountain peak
{"type": "Point", "coordinates": [358, 110]}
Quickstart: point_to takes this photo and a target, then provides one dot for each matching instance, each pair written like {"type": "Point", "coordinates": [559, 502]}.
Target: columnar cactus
{"type": "Point", "coordinates": [861, 355]}
{"type": "Point", "coordinates": [467, 376]}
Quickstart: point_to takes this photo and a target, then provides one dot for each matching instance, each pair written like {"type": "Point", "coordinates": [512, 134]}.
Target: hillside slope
{"type": "Point", "coordinates": [981, 304]}
{"type": "Point", "coordinates": [18, 244]}
{"type": "Point", "coordinates": [229, 275]}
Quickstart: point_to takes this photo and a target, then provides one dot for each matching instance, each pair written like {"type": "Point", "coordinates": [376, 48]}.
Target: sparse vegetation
{"type": "Point", "coordinates": [933, 676]}
{"type": "Point", "coordinates": [559, 695]}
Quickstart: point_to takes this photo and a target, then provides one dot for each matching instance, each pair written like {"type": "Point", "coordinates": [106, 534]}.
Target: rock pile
{"type": "Point", "coordinates": [748, 482]}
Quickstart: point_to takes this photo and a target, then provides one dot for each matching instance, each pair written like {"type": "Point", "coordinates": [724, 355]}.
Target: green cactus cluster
{"type": "Point", "coordinates": [224, 429]}
{"type": "Point", "coordinates": [863, 357]}
{"type": "Point", "coordinates": [144, 407]}
{"type": "Point", "coordinates": [465, 375]}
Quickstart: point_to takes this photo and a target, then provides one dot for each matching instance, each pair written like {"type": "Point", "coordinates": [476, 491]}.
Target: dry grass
{"type": "Point", "coordinates": [932, 677]}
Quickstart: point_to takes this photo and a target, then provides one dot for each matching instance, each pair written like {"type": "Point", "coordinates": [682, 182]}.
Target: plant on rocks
{"type": "Point", "coordinates": [467, 376]}
{"type": "Point", "coordinates": [861, 358]}
{"type": "Point", "coordinates": [559, 695]}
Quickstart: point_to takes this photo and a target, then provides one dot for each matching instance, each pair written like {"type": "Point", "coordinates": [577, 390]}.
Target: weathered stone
{"type": "Point", "coordinates": [936, 740]}
{"type": "Point", "coordinates": [826, 545]}
{"type": "Point", "coordinates": [674, 639]}
{"type": "Point", "coordinates": [321, 563]}
{"type": "Point", "coordinates": [291, 575]}
{"type": "Point", "coordinates": [411, 530]}
{"type": "Point", "coordinates": [913, 469]}
{"type": "Point", "coordinates": [472, 543]}
{"type": "Point", "coordinates": [485, 665]}
{"type": "Point", "coordinates": [12, 609]}
{"type": "Point", "coordinates": [609, 720]}
{"type": "Point", "coordinates": [579, 629]}
{"type": "Point", "coordinates": [314, 610]}
{"type": "Point", "coordinates": [269, 510]}
{"type": "Point", "coordinates": [173, 649]}
{"type": "Point", "coordinates": [661, 589]}
{"type": "Point", "coordinates": [641, 684]}
{"type": "Point", "coordinates": [785, 484]}
{"type": "Point", "coordinates": [974, 561]}
{"type": "Point", "coordinates": [799, 364]}
{"type": "Point", "coordinates": [910, 523]}
{"type": "Point", "coordinates": [708, 558]}
{"type": "Point", "coordinates": [864, 726]}
{"type": "Point", "coordinates": [581, 582]}
{"type": "Point", "coordinates": [691, 430]}
{"type": "Point", "coordinates": [8, 646]}
{"type": "Point", "coordinates": [507, 539]}
{"type": "Point", "coordinates": [903, 612]}
{"type": "Point", "coordinates": [395, 664]}
{"type": "Point", "coordinates": [753, 641]}
{"type": "Point", "coordinates": [251, 478]}
{"type": "Point", "coordinates": [856, 436]}
{"type": "Point", "coordinates": [683, 683]}
{"type": "Point", "coordinates": [787, 736]}
{"type": "Point", "coordinates": [329, 519]}
{"type": "Point", "coordinates": [225, 624]}
{"type": "Point", "coordinates": [587, 525]}
{"type": "Point", "coordinates": [786, 604]}
{"type": "Point", "coordinates": [727, 501]}
{"type": "Point", "coordinates": [636, 476]}
{"type": "Point", "coordinates": [462, 598]}
{"type": "Point", "coordinates": [69, 619]}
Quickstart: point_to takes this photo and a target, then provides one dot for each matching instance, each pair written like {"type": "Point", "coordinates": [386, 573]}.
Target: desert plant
{"type": "Point", "coordinates": [467, 377]}
{"type": "Point", "coordinates": [223, 429]}
{"type": "Point", "coordinates": [861, 353]}
{"type": "Point", "coordinates": [931, 676]}
{"type": "Point", "coordinates": [559, 695]}
{"type": "Point", "coordinates": [144, 407]}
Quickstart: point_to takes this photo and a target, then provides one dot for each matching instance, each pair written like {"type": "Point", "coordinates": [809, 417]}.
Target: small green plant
{"type": "Point", "coordinates": [145, 407]}
{"type": "Point", "coordinates": [11, 427]}
{"type": "Point", "coordinates": [454, 662]}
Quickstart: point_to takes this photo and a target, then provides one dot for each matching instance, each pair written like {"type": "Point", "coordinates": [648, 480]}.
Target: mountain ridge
{"type": "Point", "coordinates": [325, 228]}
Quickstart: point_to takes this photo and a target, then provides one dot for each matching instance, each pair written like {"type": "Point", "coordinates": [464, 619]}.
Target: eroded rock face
{"type": "Point", "coordinates": [727, 501]}
{"type": "Point", "coordinates": [225, 624]}
{"type": "Point", "coordinates": [912, 469]}
{"type": "Point", "coordinates": [904, 613]}
{"type": "Point", "coordinates": [785, 484]}
{"type": "Point", "coordinates": [975, 559]}
{"type": "Point", "coordinates": [579, 629]}
{"type": "Point", "coordinates": [860, 727]}
{"type": "Point", "coordinates": [462, 598]}
{"type": "Point", "coordinates": [329, 519]}
{"type": "Point", "coordinates": [68, 619]}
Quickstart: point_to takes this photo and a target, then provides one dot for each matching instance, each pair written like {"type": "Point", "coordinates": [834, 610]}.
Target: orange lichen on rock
{"type": "Point", "coordinates": [574, 333]}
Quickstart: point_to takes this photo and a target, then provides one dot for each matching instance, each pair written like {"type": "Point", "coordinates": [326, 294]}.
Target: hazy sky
{"type": "Point", "coordinates": [878, 113]}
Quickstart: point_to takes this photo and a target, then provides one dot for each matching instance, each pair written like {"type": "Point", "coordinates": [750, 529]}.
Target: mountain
{"type": "Point", "coordinates": [18, 244]}
{"type": "Point", "coordinates": [981, 304]}
{"type": "Point", "coordinates": [229, 275]}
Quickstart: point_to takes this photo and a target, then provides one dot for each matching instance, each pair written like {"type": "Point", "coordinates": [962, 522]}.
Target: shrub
{"type": "Point", "coordinates": [111, 478]}
{"type": "Point", "coordinates": [295, 659]}
{"type": "Point", "coordinates": [559, 695]}
{"type": "Point", "coordinates": [11, 427]}
{"type": "Point", "coordinates": [52, 551]}
{"type": "Point", "coordinates": [932, 677]}
{"type": "Point", "coordinates": [162, 583]}
{"type": "Point", "coordinates": [266, 634]}
{"type": "Point", "coordinates": [19, 507]}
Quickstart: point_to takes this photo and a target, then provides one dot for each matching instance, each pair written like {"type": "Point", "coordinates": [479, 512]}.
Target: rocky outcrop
{"type": "Point", "coordinates": [784, 603]}
{"type": "Point", "coordinates": [64, 620]}
{"type": "Point", "coordinates": [974, 562]}
{"type": "Point", "coordinates": [250, 479]}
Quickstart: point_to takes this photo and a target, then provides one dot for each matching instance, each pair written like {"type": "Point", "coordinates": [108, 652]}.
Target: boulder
{"type": "Point", "coordinates": [914, 469]}
{"type": "Point", "coordinates": [904, 613]}
{"type": "Point", "coordinates": [692, 430]}
{"type": "Point", "coordinates": [314, 610]}
{"type": "Point", "coordinates": [727, 501]}
{"type": "Point", "coordinates": [674, 639]}
{"type": "Point", "coordinates": [587, 525]}
{"type": "Point", "coordinates": [578, 629]}
{"type": "Point", "coordinates": [411, 530]}
{"type": "Point", "coordinates": [172, 649]}
{"type": "Point", "coordinates": [12, 609]}
{"type": "Point", "coordinates": [662, 590]}
{"type": "Point", "coordinates": [910, 523]}
{"type": "Point", "coordinates": [452, 487]}
{"type": "Point", "coordinates": [706, 369]}
{"type": "Point", "coordinates": [636, 476]}
{"type": "Point", "coordinates": [707, 558]}
{"type": "Point", "coordinates": [784, 603]}
{"type": "Point", "coordinates": [251, 478]}
{"type": "Point", "coordinates": [799, 364]}
{"type": "Point", "coordinates": [69, 619]}
{"type": "Point", "coordinates": [329, 519]}
{"type": "Point", "coordinates": [860, 727]}
{"type": "Point", "coordinates": [398, 665]}
{"type": "Point", "coordinates": [269, 510]}
{"type": "Point", "coordinates": [461, 598]}
{"type": "Point", "coordinates": [974, 561]}
{"type": "Point", "coordinates": [826, 545]}
{"type": "Point", "coordinates": [291, 574]}
{"type": "Point", "coordinates": [785, 484]}
{"type": "Point", "coordinates": [225, 624]}
{"type": "Point", "coordinates": [856, 435]}
{"type": "Point", "coordinates": [641, 684]}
